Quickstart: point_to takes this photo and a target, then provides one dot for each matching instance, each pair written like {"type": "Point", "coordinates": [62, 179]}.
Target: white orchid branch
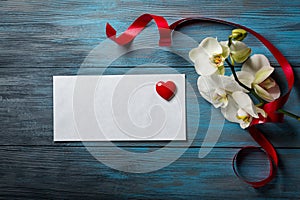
{"type": "Point", "coordinates": [231, 93]}
{"type": "Point", "coordinates": [262, 101]}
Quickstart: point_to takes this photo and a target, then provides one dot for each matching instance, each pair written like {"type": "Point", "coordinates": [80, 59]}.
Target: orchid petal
{"type": "Point", "coordinates": [245, 77]}
{"type": "Point", "coordinates": [193, 54]}
{"type": "Point", "coordinates": [238, 46]}
{"type": "Point", "coordinates": [244, 125]}
{"type": "Point", "coordinates": [241, 56]}
{"type": "Point", "coordinates": [274, 91]}
{"type": "Point", "coordinates": [227, 83]}
{"type": "Point", "coordinates": [206, 87]}
{"type": "Point", "coordinates": [206, 84]}
{"type": "Point", "coordinates": [225, 48]}
{"type": "Point", "coordinates": [210, 98]}
{"type": "Point", "coordinates": [261, 111]}
{"type": "Point", "coordinates": [245, 102]}
{"type": "Point", "coordinates": [229, 112]}
{"type": "Point", "coordinates": [239, 51]}
{"type": "Point", "coordinates": [204, 66]}
{"type": "Point", "coordinates": [211, 92]}
{"type": "Point", "coordinates": [221, 70]}
{"type": "Point", "coordinates": [211, 46]}
{"type": "Point", "coordinates": [263, 74]}
{"type": "Point", "coordinates": [207, 97]}
{"type": "Point", "coordinates": [244, 118]}
{"type": "Point", "coordinates": [220, 98]}
{"type": "Point", "coordinates": [263, 93]}
{"type": "Point", "coordinates": [212, 82]}
{"type": "Point", "coordinates": [255, 63]}
{"type": "Point", "coordinates": [216, 89]}
{"type": "Point", "coordinates": [268, 83]}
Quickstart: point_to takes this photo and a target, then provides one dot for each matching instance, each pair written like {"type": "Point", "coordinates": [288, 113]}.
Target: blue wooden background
{"type": "Point", "coordinates": [39, 39]}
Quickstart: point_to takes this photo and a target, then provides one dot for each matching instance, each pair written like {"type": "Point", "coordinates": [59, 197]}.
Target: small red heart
{"type": "Point", "coordinates": [166, 90]}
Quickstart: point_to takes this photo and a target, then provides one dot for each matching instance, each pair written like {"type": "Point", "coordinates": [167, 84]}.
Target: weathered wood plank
{"type": "Point", "coordinates": [41, 39]}
{"type": "Point", "coordinates": [61, 34]}
{"type": "Point", "coordinates": [26, 109]}
{"type": "Point", "coordinates": [71, 172]}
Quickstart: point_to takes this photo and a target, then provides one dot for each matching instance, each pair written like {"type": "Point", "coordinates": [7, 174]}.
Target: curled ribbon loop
{"type": "Point", "coordinates": [270, 108]}
{"type": "Point", "coordinates": [137, 26]}
{"type": "Point", "coordinates": [268, 149]}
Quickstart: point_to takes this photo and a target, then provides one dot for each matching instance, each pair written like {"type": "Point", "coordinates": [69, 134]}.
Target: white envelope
{"type": "Point", "coordinates": [117, 108]}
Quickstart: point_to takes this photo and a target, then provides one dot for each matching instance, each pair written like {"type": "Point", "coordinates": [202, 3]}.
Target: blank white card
{"type": "Point", "coordinates": [117, 108]}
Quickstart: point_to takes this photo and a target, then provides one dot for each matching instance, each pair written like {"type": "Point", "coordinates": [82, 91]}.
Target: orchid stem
{"type": "Point", "coordinates": [289, 114]}
{"type": "Point", "coordinates": [262, 102]}
{"type": "Point", "coordinates": [235, 76]}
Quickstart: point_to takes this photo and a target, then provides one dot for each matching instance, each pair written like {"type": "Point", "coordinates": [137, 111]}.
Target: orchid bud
{"type": "Point", "coordinates": [238, 34]}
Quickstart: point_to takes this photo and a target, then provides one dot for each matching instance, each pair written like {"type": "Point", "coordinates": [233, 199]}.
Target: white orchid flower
{"type": "Point", "coordinates": [216, 89]}
{"type": "Point", "coordinates": [255, 73]}
{"type": "Point", "coordinates": [209, 57]}
{"type": "Point", "coordinates": [239, 51]}
{"type": "Point", "coordinates": [241, 109]}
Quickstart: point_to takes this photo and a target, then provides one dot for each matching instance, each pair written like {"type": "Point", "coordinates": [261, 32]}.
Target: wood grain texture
{"type": "Point", "coordinates": [61, 33]}
{"type": "Point", "coordinates": [51, 172]}
{"type": "Point", "coordinates": [39, 39]}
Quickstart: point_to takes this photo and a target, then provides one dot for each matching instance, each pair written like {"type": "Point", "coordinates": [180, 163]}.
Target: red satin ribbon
{"type": "Point", "coordinates": [137, 26]}
{"type": "Point", "coordinates": [270, 108]}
